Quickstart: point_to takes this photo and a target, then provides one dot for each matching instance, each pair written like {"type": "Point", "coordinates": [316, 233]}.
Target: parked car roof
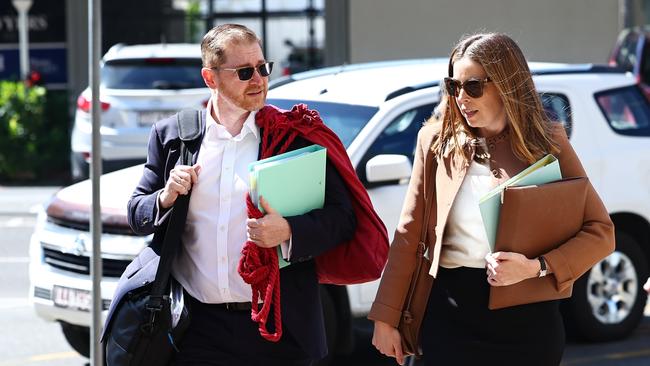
{"type": "Point", "coordinates": [349, 83]}
{"type": "Point", "coordinates": [159, 50]}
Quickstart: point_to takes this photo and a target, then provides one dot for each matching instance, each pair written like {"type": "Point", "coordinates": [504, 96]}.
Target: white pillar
{"type": "Point", "coordinates": [23, 35]}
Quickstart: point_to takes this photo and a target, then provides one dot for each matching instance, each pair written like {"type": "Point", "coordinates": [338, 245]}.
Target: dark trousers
{"type": "Point", "coordinates": [459, 329]}
{"type": "Point", "coordinates": [220, 337]}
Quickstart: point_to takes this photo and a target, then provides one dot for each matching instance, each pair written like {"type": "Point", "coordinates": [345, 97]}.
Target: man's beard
{"type": "Point", "coordinates": [245, 101]}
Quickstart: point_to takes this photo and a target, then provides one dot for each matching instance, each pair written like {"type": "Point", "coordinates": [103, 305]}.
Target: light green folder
{"type": "Point", "coordinates": [545, 170]}
{"type": "Point", "coordinates": [293, 183]}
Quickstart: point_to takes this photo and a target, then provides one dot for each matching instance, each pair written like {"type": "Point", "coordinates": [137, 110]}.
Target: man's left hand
{"type": "Point", "coordinates": [270, 230]}
{"type": "Point", "coordinates": [508, 268]}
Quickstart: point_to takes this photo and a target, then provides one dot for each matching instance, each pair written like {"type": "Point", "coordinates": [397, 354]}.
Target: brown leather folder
{"type": "Point", "coordinates": [535, 220]}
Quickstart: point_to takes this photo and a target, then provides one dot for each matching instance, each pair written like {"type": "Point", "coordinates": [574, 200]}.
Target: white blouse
{"type": "Point", "coordinates": [464, 241]}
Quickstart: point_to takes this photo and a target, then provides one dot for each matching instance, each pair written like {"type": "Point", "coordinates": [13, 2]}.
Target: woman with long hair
{"type": "Point", "coordinates": [490, 126]}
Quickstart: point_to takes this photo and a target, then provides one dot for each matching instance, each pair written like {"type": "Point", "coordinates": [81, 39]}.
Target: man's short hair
{"type": "Point", "coordinates": [218, 38]}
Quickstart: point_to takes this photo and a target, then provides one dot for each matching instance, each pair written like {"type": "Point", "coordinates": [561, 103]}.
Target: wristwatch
{"type": "Point", "coordinates": [542, 266]}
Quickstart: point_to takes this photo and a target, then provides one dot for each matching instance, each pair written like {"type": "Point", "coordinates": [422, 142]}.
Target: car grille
{"type": "Point", "coordinates": [85, 226]}
{"type": "Point", "coordinates": [81, 264]}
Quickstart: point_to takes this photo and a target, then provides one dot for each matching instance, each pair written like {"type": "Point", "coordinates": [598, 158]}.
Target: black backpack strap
{"type": "Point", "coordinates": [189, 124]}
{"type": "Point", "coordinates": [189, 130]}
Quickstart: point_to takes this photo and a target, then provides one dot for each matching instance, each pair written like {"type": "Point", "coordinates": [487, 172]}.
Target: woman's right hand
{"type": "Point", "coordinates": [387, 340]}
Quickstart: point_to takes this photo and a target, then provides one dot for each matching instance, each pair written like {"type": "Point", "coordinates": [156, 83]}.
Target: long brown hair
{"type": "Point", "coordinates": [506, 66]}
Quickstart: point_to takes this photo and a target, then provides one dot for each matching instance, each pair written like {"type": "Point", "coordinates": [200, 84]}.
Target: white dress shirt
{"type": "Point", "coordinates": [215, 231]}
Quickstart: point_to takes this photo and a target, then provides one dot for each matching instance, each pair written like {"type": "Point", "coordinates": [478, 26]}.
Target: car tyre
{"type": "Point", "coordinates": [79, 168]}
{"type": "Point", "coordinates": [608, 301]}
{"type": "Point", "coordinates": [78, 337]}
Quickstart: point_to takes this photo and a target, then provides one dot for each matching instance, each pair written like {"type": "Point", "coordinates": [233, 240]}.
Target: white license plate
{"type": "Point", "coordinates": [149, 118]}
{"type": "Point", "coordinates": [72, 298]}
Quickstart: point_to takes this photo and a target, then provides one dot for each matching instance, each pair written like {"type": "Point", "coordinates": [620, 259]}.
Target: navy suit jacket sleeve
{"type": "Point", "coordinates": [163, 152]}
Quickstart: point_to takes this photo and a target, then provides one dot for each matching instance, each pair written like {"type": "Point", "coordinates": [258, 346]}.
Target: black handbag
{"type": "Point", "coordinates": [149, 321]}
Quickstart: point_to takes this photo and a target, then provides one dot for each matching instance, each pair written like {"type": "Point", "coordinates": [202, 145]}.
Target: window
{"type": "Point", "coordinates": [557, 109]}
{"type": "Point", "coordinates": [626, 110]}
{"type": "Point", "coordinates": [153, 74]}
{"type": "Point", "coordinates": [399, 137]}
{"type": "Point", "coordinates": [292, 32]}
{"type": "Point", "coordinates": [346, 120]}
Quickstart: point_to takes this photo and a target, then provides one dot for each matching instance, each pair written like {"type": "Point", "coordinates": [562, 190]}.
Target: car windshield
{"type": "Point", "coordinates": [153, 73]}
{"type": "Point", "coordinates": [346, 120]}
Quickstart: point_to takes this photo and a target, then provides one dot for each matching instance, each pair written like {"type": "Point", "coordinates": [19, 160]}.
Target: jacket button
{"type": "Point", "coordinates": [145, 221]}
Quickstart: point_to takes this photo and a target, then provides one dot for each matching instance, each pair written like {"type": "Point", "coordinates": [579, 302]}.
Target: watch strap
{"type": "Point", "coordinates": [542, 266]}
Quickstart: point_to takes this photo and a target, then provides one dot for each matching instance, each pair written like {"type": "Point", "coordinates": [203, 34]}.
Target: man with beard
{"type": "Point", "coordinates": [221, 331]}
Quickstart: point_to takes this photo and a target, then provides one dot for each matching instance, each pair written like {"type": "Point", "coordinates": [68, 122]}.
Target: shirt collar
{"type": "Point", "coordinates": [212, 128]}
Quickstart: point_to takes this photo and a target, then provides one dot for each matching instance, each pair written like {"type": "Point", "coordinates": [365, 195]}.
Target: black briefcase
{"type": "Point", "coordinates": [143, 336]}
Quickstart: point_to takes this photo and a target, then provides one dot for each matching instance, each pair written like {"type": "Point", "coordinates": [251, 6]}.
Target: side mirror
{"type": "Point", "coordinates": [385, 168]}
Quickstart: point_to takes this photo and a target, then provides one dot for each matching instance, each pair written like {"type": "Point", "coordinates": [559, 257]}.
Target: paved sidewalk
{"type": "Point", "coordinates": [23, 201]}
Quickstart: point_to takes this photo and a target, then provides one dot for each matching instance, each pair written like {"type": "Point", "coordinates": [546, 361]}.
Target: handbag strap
{"type": "Point", "coordinates": [189, 127]}
{"type": "Point", "coordinates": [428, 207]}
{"type": "Point", "coordinates": [422, 247]}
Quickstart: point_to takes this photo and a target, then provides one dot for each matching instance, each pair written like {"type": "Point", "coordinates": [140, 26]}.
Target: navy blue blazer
{"type": "Point", "coordinates": [312, 233]}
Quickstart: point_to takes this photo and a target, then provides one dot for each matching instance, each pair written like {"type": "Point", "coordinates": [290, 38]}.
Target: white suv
{"type": "Point", "coordinates": [377, 110]}
{"type": "Point", "coordinates": [139, 85]}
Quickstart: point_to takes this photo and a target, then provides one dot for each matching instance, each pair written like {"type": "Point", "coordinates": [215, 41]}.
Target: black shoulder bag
{"type": "Point", "coordinates": [149, 320]}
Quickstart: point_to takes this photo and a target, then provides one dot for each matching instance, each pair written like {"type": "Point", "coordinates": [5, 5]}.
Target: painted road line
{"type": "Point", "coordinates": [13, 302]}
{"type": "Point", "coordinates": [608, 356]}
{"type": "Point", "coordinates": [18, 222]}
{"type": "Point", "coordinates": [40, 359]}
{"type": "Point", "coordinates": [10, 260]}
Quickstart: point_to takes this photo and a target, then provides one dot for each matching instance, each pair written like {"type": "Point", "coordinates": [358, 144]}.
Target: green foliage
{"type": "Point", "coordinates": [33, 133]}
{"type": "Point", "coordinates": [193, 20]}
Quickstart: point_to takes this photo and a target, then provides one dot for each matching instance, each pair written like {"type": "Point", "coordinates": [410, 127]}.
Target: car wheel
{"type": "Point", "coordinates": [609, 300]}
{"type": "Point", "coordinates": [78, 337]}
{"type": "Point", "coordinates": [79, 167]}
{"type": "Point", "coordinates": [331, 325]}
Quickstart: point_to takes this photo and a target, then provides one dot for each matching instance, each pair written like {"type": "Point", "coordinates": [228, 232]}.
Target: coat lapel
{"type": "Point", "coordinates": [448, 178]}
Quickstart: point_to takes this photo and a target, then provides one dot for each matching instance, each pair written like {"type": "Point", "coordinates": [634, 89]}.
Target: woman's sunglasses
{"type": "Point", "coordinates": [473, 87]}
{"type": "Point", "coordinates": [246, 73]}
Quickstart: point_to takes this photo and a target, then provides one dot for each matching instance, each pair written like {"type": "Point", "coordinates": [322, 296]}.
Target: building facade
{"type": "Point", "coordinates": [550, 30]}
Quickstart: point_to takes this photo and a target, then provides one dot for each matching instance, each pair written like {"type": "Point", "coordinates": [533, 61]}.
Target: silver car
{"type": "Point", "coordinates": [140, 84]}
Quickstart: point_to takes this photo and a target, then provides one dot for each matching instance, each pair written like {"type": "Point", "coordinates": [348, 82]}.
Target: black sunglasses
{"type": "Point", "coordinates": [473, 87]}
{"type": "Point", "coordinates": [246, 73]}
